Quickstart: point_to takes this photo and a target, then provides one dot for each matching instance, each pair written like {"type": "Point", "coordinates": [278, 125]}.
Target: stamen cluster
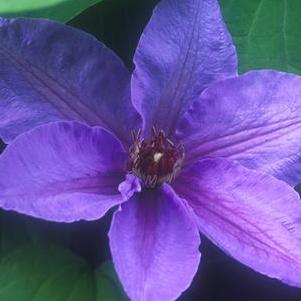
{"type": "Point", "coordinates": [155, 161]}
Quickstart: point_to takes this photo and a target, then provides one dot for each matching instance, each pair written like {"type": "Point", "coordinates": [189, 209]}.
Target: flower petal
{"type": "Point", "coordinates": [50, 71]}
{"type": "Point", "coordinates": [183, 49]}
{"type": "Point", "coordinates": [152, 238]}
{"type": "Point", "coordinates": [62, 171]}
{"type": "Point", "coordinates": [254, 118]}
{"type": "Point", "coordinates": [250, 215]}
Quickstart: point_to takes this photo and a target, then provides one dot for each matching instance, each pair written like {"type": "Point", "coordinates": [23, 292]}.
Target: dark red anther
{"type": "Point", "coordinates": [155, 161]}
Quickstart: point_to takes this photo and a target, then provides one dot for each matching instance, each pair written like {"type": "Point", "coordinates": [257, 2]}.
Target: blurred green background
{"type": "Point", "coordinates": [43, 261]}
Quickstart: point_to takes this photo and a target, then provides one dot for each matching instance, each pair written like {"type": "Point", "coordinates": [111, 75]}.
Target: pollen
{"type": "Point", "coordinates": [157, 157]}
{"type": "Point", "coordinates": [155, 161]}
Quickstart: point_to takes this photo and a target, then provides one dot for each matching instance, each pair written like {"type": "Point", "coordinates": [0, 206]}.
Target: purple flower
{"type": "Point", "coordinates": [216, 154]}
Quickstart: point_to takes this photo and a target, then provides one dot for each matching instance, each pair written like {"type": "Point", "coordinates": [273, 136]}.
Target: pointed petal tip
{"type": "Point", "coordinates": [68, 172]}
{"type": "Point", "coordinates": [90, 84]}
{"type": "Point", "coordinates": [259, 121]}
{"type": "Point", "coordinates": [184, 48]}
{"type": "Point", "coordinates": [251, 215]}
{"type": "Point", "coordinates": [151, 239]}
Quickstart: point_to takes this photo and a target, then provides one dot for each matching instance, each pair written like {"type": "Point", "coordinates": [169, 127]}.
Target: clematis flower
{"type": "Point", "coordinates": [182, 146]}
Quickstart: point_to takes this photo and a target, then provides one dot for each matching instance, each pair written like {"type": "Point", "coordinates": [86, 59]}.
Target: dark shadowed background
{"type": "Point", "coordinates": [119, 24]}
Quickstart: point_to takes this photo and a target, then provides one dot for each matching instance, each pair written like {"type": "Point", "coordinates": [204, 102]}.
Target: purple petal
{"type": "Point", "coordinates": [250, 215]}
{"type": "Point", "coordinates": [183, 49]}
{"type": "Point", "coordinates": [154, 244]}
{"type": "Point", "coordinates": [50, 71]}
{"type": "Point", "coordinates": [62, 171]}
{"type": "Point", "coordinates": [254, 118]}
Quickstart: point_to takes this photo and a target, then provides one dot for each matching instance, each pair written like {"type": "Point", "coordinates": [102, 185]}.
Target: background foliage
{"type": "Point", "coordinates": [41, 261]}
{"type": "Point", "coordinates": [60, 10]}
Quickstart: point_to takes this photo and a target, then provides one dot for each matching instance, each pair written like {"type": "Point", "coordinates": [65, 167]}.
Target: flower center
{"type": "Point", "coordinates": [155, 161]}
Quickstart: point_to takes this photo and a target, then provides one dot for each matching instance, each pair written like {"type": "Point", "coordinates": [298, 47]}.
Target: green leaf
{"type": "Point", "coordinates": [266, 33]}
{"type": "Point", "coordinates": [42, 273]}
{"type": "Point", "coordinates": [34, 268]}
{"type": "Point", "coordinates": [109, 287]}
{"type": "Point", "coordinates": [61, 10]}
